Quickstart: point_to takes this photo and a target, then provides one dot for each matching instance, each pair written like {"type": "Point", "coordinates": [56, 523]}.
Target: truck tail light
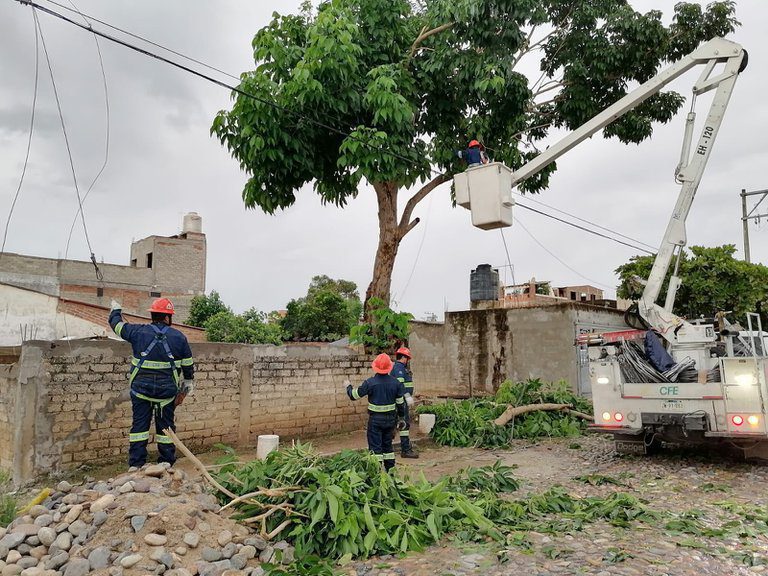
{"type": "Point", "coordinates": [753, 420]}
{"type": "Point", "coordinates": [737, 420]}
{"type": "Point", "coordinates": [618, 416]}
{"type": "Point", "coordinates": [607, 416]}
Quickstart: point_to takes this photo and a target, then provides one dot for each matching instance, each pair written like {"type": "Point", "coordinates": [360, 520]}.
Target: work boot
{"type": "Point", "coordinates": [410, 453]}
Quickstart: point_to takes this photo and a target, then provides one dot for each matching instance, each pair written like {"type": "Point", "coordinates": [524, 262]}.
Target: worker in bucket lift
{"type": "Point", "coordinates": [161, 354]}
{"type": "Point", "coordinates": [474, 155]}
{"type": "Point", "coordinates": [385, 408]}
{"type": "Point", "coordinates": [402, 372]}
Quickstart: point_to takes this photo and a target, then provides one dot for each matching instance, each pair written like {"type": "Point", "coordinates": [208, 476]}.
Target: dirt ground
{"type": "Point", "coordinates": [673, 481]}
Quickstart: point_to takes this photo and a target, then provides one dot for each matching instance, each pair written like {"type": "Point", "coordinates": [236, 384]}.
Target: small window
{"type": "Point", "coordinates": [149, 260]}
{"type": "Point", "coordinates": [592, 297]}
{"type": "Point", "coordinates": [155, 294]}
{"type": "Point", "coordinates": [99, 292]}
{"type": "Point", "coordinates": [134, 263]}
{"type": "Point", "coordinates": [573, 295]}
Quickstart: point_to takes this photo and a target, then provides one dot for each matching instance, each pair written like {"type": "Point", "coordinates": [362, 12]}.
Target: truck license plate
{"type": "Point", "coordinates": [672, 405]}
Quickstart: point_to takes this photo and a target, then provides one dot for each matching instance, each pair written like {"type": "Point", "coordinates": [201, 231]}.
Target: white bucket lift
{"type": "Point", "coordinates": [486, 191]}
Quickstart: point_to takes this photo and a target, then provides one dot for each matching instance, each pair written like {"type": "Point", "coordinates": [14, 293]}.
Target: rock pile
{"type": "Point", "coordinates": [152, 521]}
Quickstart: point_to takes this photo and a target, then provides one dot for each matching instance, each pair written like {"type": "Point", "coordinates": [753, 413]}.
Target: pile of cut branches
{"type": "Point", "coordinates": [529, 409]}
{"type": "Point", "coordinates": [344, 506]}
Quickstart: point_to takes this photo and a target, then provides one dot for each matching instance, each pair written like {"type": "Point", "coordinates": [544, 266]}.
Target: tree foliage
{"type": "Point", "coordinates": [384, 331]}
{"type": "Point", "coordinates": [250, 327]}
{"type": "Point", "coordinates": [713, 280]}
{"type": "Point", "coordinates": [326, 313]}
{"type": "Point", "coordinates": [388, 90]}
{"type": "Point", "coordinates": [203, 307]}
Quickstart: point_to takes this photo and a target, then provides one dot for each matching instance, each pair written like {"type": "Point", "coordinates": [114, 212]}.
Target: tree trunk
{"type": "Point", "coordinates": [389, 241]}
{"type": "Point", "coordinates": [391, 232]}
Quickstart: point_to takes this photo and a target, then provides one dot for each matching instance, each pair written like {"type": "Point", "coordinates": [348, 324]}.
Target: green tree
{"type": "Point", "coordinates": [251, 327]}
{"type": "Point", "coordinates": [203, 307]}
{"type": "Point", "coordinates": [327, 312]}
{"type": "Point", "coordinates": [713, 280]}
{"type": "Point", "coordinates": [384, 331]}
{"type": "Point", "coordinates": [411, 82]}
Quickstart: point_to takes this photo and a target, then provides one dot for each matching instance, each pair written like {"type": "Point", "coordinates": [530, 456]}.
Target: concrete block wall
{"type": "Point", "coordinates": [71, 404]}
{"type": "Point", "coordinates": [8, 377]}
{"type": "Point", "coordinates": [474, 351]}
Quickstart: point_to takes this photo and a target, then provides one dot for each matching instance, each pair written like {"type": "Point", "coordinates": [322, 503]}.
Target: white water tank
{"type": "Point", "coordinates": [486, 191]}
{"type": "Point", "coordinates": [193, 222]}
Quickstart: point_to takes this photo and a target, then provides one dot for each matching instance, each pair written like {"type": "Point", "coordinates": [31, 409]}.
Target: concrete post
{"type": "Point", "coordinates": [30, 370]}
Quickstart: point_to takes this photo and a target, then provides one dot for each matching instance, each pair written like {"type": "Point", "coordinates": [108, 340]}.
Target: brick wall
{"type": "Point", "coordinates": [8, 377]}
{"type": "Point", "coordinates": [77, 409]}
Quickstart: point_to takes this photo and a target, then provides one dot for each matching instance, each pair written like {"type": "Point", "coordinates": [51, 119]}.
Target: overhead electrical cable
{"type": "Point", "coordinates": [270, 103]}
{"type": "Point", "coordinates": [29, 139]}
{"type": "Point", "coordinates": [106, 131]}
{"type": "Point", "coordinates": [556, 257]}
{"type": "Point", "coordinates": [580, 219]}
{"type": "Point", "coordinates": [584, 228]}
{"type": "Point", "coordinates": [99, 275]}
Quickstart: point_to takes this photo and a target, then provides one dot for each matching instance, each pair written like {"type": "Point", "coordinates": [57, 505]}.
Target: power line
{"type": "Point", "coordinates": [636, 241]}
{"type": "Point", "coordinates": [29, 140]}
{"type": "Point", "coordinates": [584, 229]}
{"type": "Point", "coordinates": [99, 275]}
{"type": "Point", "coordinates": [107, 131]}
{"type": "Point", "coordinates": [235, 89]}
{"type": "Point", "coordinates": [276, 106]}
{"type": "Point", "coordinates": [548, 251]}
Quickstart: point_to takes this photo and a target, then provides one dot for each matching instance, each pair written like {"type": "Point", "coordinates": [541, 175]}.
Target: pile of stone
{"type": "Point", "coordinates": [152, 521]}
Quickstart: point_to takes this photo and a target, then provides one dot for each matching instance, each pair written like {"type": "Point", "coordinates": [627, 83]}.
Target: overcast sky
{"type": "Point", "coordinates": [163, 163]}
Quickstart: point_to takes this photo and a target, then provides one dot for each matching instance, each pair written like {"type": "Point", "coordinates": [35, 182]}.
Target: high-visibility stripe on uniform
{"type": "Point", "coordinates": [409, 385]}
{"type": "Point", "coordinates": [382, 408]}
{"type": "Point", "coordinates": [187, 361]}
{"type": "Point", "coordinates": [379, 457]}
{"type": "Point", "coordinates": [388, 456]}
{"type": "Point", "coordinates": [138, 436]}
{"type": "Point", "coordinates": [152, 364]}
{"type": "Point", "coordinates": [405, 433]}
{"type": "Point", "coordinates": [119, 327]}
{"type": "Point", "coordinates": [399, 400]}
{"type": "Point", "coordinates": [161, 439]}
{"type": "Point", "coordinates": [161, 401]}
{"type": "Point", "coordinates": [355, 394]}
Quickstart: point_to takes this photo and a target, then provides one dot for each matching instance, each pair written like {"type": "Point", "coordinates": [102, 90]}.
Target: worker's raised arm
{"type": "Point", "coordinates": [116, 322]}
{"type": "Point", "coordinates": [359, 392]}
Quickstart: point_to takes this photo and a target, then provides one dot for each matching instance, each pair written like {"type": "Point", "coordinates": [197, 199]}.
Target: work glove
{"type": "Point", "coordinates": [401, 425]}
{"type": "Point", "coordinates": [408, 399]}
{"type": "Point", "coordinates": [187, 386]}
{"type": "Point", "coordinates": [115, 305]}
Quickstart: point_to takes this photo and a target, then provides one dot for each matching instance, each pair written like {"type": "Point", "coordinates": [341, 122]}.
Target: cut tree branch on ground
{"type": "Point", "coordinates": [196, 462]}
{"type": "Point", "coordinates": [513, 411]}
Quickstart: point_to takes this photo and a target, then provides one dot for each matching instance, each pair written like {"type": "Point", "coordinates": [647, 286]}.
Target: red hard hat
{"type": "Point", "coordinates": [473, 143]}
{"type": "Point", "coordinates": [162, 306]}
{"type": "Point", "coordinates": [403, 351]}
{"type": "Point", "coordinates": [382, 364]}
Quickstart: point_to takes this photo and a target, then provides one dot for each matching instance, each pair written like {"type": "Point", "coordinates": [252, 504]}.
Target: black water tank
{"type": "Point", "coordinates": [483, 283]}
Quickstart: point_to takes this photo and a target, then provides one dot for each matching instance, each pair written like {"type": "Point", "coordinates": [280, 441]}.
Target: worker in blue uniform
{"type": "Point", "coordinates": [385, 408]}
{"type": "Point", "coordinates": [402, 372]}
{"type": "Point", "coordinates": [474, 155]}
{"type": "Point", "coordinates": [161, 354]}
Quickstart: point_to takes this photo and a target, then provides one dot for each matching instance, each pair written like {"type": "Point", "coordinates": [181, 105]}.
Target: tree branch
{"type": "Point", "coordinates": [406, 225]}
{"type": "Point", "coordinates": [426, 34]}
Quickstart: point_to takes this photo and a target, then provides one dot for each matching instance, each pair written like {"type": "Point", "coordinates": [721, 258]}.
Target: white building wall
{"type": "Point", "coordinates": [26, 315]}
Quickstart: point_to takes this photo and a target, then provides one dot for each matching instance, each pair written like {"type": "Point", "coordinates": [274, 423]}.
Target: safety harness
{"type": "Point", "coordinates": [142, 362]}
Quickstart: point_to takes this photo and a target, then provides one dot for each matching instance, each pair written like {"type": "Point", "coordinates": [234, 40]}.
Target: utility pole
{"type": "Point", "coordinates": [747, 216]}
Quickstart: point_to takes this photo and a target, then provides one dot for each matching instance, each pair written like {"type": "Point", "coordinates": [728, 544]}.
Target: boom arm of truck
{"type": "Point", "coordinates": [688, 172]}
